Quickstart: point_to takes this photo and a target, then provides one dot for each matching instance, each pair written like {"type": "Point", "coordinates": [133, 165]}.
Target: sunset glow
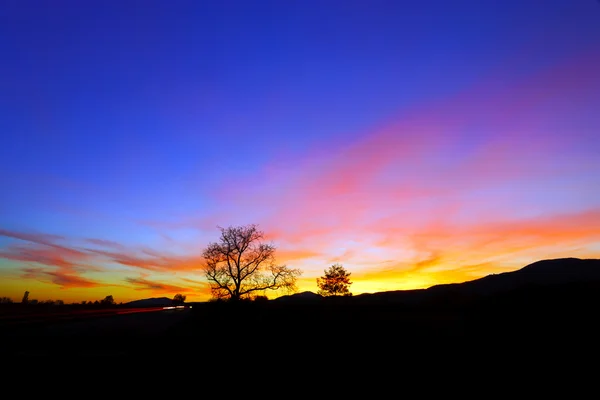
{"type": "Point", "coordinates": [413, 145]}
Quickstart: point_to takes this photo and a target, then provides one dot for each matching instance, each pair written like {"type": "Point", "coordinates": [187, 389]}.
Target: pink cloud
{"type": "Point", "coordinates": [490, 134]}
{"type": "Point", "coordinates": [129, 259]}
{"type": "Point", "coordinates": [152, 260]}
{"type": "Point", "coordinates": [40, 238]}
{"type": "Point", "coordinates": [440, 177]}
{"type": "Point", "coordinates": [105, 243]}
{"type": "Point", "coordinates": [52, 256]}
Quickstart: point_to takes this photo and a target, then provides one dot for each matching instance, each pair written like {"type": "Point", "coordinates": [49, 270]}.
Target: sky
{"type": "Point", "coordinates": [414, 142]}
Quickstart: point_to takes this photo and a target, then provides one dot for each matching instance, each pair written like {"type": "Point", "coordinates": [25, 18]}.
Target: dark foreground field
{"type": "Point", "coordinates": [545, 321]}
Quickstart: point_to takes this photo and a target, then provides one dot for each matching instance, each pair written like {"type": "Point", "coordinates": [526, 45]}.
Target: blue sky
{"type": "Point", "coordinates": [143, 122]}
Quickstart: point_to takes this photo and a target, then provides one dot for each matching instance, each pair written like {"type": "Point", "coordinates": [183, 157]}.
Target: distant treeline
{"type": "Point", "coordinates": [108, 301]}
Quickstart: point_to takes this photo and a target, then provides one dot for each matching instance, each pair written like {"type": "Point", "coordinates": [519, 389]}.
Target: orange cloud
{"type": "Point", "coordinates": [43, 249]}
{"type": "Point", "coordinates": [145, 284]}
{"type": "Point", "coordinates": [194, 281]}
{"type": "Point", "coordinates": [151, 260]}
{"type": "Point", "coordinates": [63, 277]}
{"type": "Point", "coordinates": [200, 289]}
{"type": "Point", "coordinates": [68, 263]}
{"type": "Point", "coordinates": [131, 260]}
{"type": "Point", "coordinates": [284, 255]}
{"type": "Point", "coordinates": [446, 254]}
{"type": "Point", "coordinates": [67, 280]}
{"type": "Point", "coordinates": [509, 236]}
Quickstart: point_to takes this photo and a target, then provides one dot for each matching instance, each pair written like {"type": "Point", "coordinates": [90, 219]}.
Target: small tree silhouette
{"type": "Point", "coordinates": [179, 298]}
{"type": "Point", "coordinates": [108, 301]}
{"type": "Point", "coordinates": [335, 282]}
{"type": "Point", "coordinates": [25, 298]}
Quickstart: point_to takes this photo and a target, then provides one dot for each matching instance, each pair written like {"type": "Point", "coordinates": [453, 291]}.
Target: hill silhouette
{"type": "Point", "coordinates": [151, 302]}
{"type": "Point", "coordinates": [302, 297]}
{"type": "Point", "coordinates": [547, 274]}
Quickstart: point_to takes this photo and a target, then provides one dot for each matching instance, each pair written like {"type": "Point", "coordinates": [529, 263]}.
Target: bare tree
{"type": "Point", "coordinates": [241, 265]}
{"type": "Point", "coordinates": [335, 282]}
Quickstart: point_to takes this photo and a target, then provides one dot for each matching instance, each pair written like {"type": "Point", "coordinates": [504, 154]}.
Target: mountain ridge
{"type": "Point", "coordinates": [541, 273]}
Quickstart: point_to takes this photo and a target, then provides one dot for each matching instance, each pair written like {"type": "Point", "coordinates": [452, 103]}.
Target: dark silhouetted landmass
{"type": "Point", "coordinates": [544, 273]}
{"type": "Point", "coordinates": [551, 305]}
{"type": "Point", "coordinates": [301, 297]}
{"type": "Point", "coordinates": [151, 302]}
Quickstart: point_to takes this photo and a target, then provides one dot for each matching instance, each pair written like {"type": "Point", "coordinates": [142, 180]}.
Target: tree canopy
{"type": "Point", "coordinates": [241, 265]}
{"type": "Point", "coordinates": [335, 282]}
{"type": "Point", "coordinates": [179, 298]}
{"type": "Point", "coordinates": [108, 300]}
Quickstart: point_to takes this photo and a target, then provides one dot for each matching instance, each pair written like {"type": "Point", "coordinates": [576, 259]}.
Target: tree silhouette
{"type": "Point", "coordinates": [108, 300]}
{"type": "Point", "coordinates": [25, 297]}
{"type": "Point", "coordinates": [179, 298]}
{"type": "Point", "coordinates": [335, 282]}
{"type": "Point", "coordinates": [241, 265]}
